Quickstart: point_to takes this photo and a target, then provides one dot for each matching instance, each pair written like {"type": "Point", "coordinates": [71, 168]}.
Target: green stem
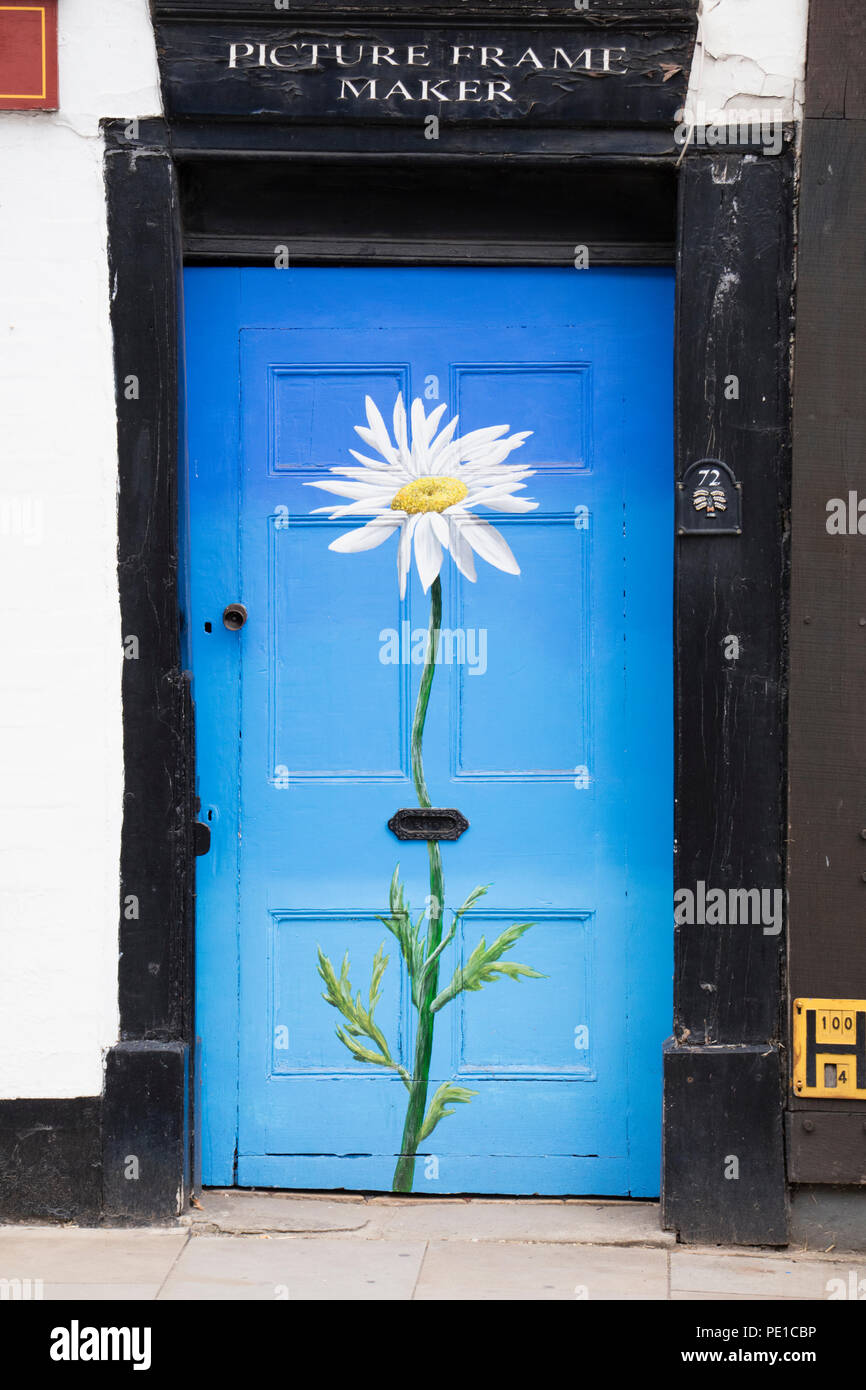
{"type": "Point", "coordinates": [404, 1174]}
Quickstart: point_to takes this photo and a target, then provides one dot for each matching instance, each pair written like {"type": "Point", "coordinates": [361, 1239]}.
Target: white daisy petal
{"type": "Point", "coordinates": [490, 544]}
{"type": "Point", "coordinates": [432, 421]}
{"type": "Point", "coordinates": [383, 476]}
{"type": "Point", "coordinates": [404, 552]}
{"type": "Point", "coordinates": [419, 437]}
{"type": "Point", "coordinates": [428, 551]}
{"type": "Point", "coordinates": [390, 454]}
{"type": "Point", "coordinates": [375, 464]}
{"type": "Point", "coordinates": [482, 436]}
{"type": "Point", "coordinates": [419, 421]}
{"type": "Point", "coordinates": [365, 507]}
{"type": "Point", "coordinates": [439, 444]}
{"type": "Point", "coordinates": [375, 433]}
{"type": "Point", "coordinates": [481, 489]}
{"type": "Point", "coordinates": [365, 537]}
{"type": "Point", "coordinates": [508, 504]}
{"type": "Point", "coordinates": [499, 498]}
{"type": "Point", "coordinates": [493, 454]}
{"type": "Point", "coordinates": [350, 489]}
{"type": "Point", "coordinates": [400, 426]}
{"type": "Point", "coordinates": [376, 422]}
{"type": "Point", "coordinates": [440, 528]}
{"type": "Point", "coordinates": [479, 439]}
{"type": "Point", "coordinates": [461, 552]}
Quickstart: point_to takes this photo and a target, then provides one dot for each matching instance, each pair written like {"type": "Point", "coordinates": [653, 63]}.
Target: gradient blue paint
{"type": "Point", "coordinates": [579, 673]}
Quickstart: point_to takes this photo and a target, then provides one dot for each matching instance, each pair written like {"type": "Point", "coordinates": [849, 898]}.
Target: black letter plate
{"type": "Point", "coordinates": [423, 823]}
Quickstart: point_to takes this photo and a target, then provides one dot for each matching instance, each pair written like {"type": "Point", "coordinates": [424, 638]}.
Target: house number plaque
{"type": "Point", "coordinates": [709, 500]}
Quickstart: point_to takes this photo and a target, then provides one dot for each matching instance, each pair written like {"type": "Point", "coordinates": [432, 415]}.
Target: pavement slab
{"type": "Point", "coordinates": [484, 1272]}
{"type": "Point", "coordinates": [753, 1276]}
{"type": "Point", "coordinates": [65, 1256]}
{"type": "Point", "coordinates": [292, 1267]}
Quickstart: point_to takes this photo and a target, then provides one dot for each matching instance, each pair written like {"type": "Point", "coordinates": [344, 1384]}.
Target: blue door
{"type": "Point", "coordinates": [482, 1013]}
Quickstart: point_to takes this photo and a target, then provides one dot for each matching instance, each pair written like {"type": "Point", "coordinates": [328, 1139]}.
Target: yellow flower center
{"type": "Point", "coordinates": [429, 495]}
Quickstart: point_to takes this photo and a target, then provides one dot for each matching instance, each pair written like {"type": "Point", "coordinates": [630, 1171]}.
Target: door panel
{"type": "Point", "coordinates": [549, 726]}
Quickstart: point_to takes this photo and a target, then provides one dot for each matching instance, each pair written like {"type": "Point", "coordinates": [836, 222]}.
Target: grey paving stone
{"type": "Point", "coordinates": [485, 1271]}
{"type": "Point", "coordinates": [294, 1268]}
{"type": "Point", "coordinates": [73, 1255]}
{"type": "Point", "coordinates": [754, 1276]}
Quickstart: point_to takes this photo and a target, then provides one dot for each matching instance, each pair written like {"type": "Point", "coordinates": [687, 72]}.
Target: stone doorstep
{"type": "Point", "coordinates": [538, 1220]}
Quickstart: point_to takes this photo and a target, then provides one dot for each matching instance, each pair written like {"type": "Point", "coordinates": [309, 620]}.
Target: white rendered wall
{"type": "Point", "coordinates": [752, 55]}
{"type": "Point", "coordinates": [60, 733]}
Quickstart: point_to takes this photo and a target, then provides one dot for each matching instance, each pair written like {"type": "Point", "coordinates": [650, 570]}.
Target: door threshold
{"type": "Point", "coordinates": [377, 1216]}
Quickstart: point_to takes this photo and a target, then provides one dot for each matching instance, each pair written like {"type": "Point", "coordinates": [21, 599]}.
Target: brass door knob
{"type": "Point", "coordinates": [234, 616]}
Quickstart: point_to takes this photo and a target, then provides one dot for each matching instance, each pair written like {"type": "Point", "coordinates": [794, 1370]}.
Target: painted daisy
{"type": "Point", "coordinates": [426, 487]}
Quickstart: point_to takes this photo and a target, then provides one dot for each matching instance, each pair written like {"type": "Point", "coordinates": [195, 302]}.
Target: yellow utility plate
{"type": "Point", "coordinates": [830, 1048]}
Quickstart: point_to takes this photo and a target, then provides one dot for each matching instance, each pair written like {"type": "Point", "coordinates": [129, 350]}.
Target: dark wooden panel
{"type": "Point", "coordinates": [827, 1146]}
{"type": "Point", "coordinates": [827, 853]}
{"type": "Point", "coordinates": [836, 72]}
{"type": "Point", "coordinates": [146, 1120]}
{"type": "Point", "coordinates": [471, 146]}
{"type": "Point", "coordinates": [432, 214]}
{"type": "Point", "coordinates": [723, 1104]}
{"type": "Point", "coordinates": [733, 319]}
{"type": "Point", "coordinates": [387, 74]}
{"type": "Point", "coordinates": [828, 1218]}
{"type": "Point", "coordinates": [207, 250]}
{"type": "Point", "coordinates": [155, 895]}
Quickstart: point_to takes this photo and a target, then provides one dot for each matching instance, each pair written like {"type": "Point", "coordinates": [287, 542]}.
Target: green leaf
{"type": "Point", "coordinates": [434, 956]}
{"type": "Point", "coordinates": [399, 924]}
{"type": "Point", "coordinates": [360, 1022]}
{"type": "Point", "coordinates": [485, 965]}
{"type": "Point", "coordinates": [472, 899]}
{"type": "Point", "coordinates": [447, 1094]}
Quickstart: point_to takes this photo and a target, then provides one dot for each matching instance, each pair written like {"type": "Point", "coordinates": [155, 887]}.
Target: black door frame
{"type": "Point", "coordinates": [724, 1078]}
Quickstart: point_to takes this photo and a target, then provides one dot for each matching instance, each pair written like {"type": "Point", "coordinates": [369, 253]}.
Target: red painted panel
{"type": "Point", "coordinates": [28, 56]}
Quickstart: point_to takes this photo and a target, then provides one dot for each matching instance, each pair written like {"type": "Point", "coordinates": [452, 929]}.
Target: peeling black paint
{"type": "Point", "coordinates": [724, 1077]}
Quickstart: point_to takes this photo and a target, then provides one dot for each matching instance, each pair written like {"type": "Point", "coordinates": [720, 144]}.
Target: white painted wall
{"type": "Point", "coordinates": [751, 54]}
{"type": "Point", "coordinates": [60, 733]}
{"type": "Point", "coordinates": [61, 783]}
